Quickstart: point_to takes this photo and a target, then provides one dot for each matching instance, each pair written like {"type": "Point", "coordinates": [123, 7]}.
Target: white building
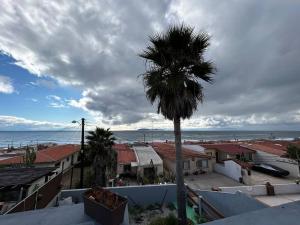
{"type": "Point", "coordinates": [147, 160]}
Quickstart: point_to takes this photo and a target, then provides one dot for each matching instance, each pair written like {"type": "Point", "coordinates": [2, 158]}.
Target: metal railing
{"type": "Point", "coordinates": [204, 206]}
{"type": "Point", "coordinates": [40, 198]}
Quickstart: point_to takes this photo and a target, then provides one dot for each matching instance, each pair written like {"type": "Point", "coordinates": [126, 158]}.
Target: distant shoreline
{"type": "Point", "coordinates": [17, 138]}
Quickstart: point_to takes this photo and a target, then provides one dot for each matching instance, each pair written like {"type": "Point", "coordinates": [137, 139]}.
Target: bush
{"type": "Point", "coordinates": [169, 220]}
{"type": "Point", "coordinates": [171, 206]}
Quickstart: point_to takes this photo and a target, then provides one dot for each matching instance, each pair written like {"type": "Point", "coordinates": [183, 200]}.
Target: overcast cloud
{"type": "Point", "coordinates": [94, 46]}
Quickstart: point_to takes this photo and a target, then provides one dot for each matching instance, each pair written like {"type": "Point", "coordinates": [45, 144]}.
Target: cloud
{"type": "Point", "coordinates": [8, 122]}
{"type": "Point", "coordinates": [33, 99]}
{"type": "Point", "coordinates": [50, 84]}
{"type": "Point", "coordinates": [6, 85]}
{"type": "Point", "coordinates": [56, 101]}
{"type": "Point", "coordinates": [94, 45]}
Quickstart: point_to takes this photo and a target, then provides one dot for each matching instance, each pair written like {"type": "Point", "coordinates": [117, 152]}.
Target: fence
{"type": "Point", "coordinates": [210, 212]}
{"type": "Point", "coordinates": [40, 198]}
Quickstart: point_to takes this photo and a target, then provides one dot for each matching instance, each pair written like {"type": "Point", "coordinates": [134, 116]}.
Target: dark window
{"type": "Point", "coordinates": [186, 165]}
{"type": "Point", "coordinates": [127, 168]}
{"type": "Point", "coordinates": [202, 164]}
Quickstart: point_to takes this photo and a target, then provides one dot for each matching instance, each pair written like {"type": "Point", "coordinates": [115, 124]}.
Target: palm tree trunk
{"type": "Point", "coordinates": [181, 191]}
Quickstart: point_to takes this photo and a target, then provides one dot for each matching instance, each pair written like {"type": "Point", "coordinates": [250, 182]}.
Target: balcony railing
{"type": "Point", "coordinates": [40, 198]}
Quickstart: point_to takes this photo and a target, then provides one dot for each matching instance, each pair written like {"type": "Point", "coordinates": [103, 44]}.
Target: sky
{"type": "Point", "coordinates": [64, 60]}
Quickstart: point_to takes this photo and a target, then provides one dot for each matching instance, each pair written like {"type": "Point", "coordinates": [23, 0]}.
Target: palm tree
{"type": "Point", "coordinates": [175, 67]}
{"type": "Point", "coordinates": [100, 144]}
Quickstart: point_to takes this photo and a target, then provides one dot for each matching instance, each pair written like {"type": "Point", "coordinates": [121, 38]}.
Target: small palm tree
{"type": "Point", "coordinates": [175, 67]}
{"type": "Point", "coordinates": [29, 157]}
{"type": "Point", "coordinates": [100, 144]}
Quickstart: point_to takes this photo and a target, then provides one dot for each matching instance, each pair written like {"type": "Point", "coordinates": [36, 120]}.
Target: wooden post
{"type": "Point", "coordinates": [200, 205]}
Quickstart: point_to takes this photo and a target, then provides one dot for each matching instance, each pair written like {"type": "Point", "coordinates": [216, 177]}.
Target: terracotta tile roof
{"type": "Point", "coordinates": [168, 151]}
{"type": "Point", "coordinates": [228, 148]}
{"type": "Point", "coordinates": [266, 148]}
{"type": "Point", "coordinates": [125, 154]}
{"type": "Point", "coordinates": [48, 155]}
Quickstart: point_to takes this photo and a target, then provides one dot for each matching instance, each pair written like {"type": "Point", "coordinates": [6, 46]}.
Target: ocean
{"type": "Point", "coordinates": [17, 138]}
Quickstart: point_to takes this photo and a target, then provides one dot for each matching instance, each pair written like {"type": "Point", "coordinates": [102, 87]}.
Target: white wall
{"type": "Point", "coordinates": [37, 183]}
{"type": "Point", "coordinates": [284, 163]}
{"type": "Point", "coordinates": [257, 190]}
{"type": "Point", "coordinates": [67, 163]}
{"type": "Point", "coordinates": [230, 169]}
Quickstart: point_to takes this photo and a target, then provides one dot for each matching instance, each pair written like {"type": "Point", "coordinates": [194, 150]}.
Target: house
{"type": "Point", "coordinates": [274, 153]}
{"type": "Point", "coordinates": [138, 159]}
{"type": "Point", "coordinates": [224, 151]}
{"type": "Point", "coordinates": [193, 161]}
{"type": "Point", "coordinates": [148, 161]}
{"type": "Point", "coordinates": [18, 183]}
{"type": "Point", "coordinates": [61, 156]}
{"type": "Point", "coordinates": [126, 159]}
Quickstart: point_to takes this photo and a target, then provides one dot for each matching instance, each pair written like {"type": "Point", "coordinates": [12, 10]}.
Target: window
{"type": "Point", "coordinates": [68, 158]}
{"type": "Point", "coordinates": [186, 165]}
{"type": "Point", "coordinates": [250, 156]}
{"type": "Point", "coordinates": [202, 164]}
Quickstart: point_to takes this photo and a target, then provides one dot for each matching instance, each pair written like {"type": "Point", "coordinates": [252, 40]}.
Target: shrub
{"type": "Point", "coordinates": [169, 220]}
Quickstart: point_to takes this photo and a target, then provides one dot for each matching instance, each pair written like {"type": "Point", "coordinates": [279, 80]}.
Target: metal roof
{"type": "Point", "coordinates": [145, 154]}
{"type": "Point", "coordinates": [22, 176]}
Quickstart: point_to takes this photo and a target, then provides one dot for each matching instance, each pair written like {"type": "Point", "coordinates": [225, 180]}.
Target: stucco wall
{"type": "Point", "coordinates": [284, 163]}
{"type": "Point", "coordinates": [257, 190]}
{"type": "Point", "coordinates": [36, 184]}
{"type": "Point", "coordinates": [141, 195]}
{"type": "Point", "coordinates": [230, 169]}
{"type": "Point", "coordinates": [230, 204]}
{"type": "Point", "coordinates": [171, 165]}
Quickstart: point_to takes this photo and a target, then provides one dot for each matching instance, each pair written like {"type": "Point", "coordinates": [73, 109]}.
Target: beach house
{"type": "Point", "coordinates": [126, 158]}
{"type": "Point", "coordinates": [193, 161]}
{"type": "Point", "coordinates": [138, 159]}
{"type": "Point", "coordinates": [62, 157]}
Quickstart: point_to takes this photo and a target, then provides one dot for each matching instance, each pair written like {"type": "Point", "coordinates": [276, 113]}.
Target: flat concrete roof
{"type": "Point", "coordinates": [286, 214]}
{"type": "Point", "coordinates": [69, 214]}
{"type": "Point", "coordinates": [278, 199]}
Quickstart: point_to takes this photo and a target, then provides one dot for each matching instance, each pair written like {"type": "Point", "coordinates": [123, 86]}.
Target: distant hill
{"type": "Point", "coordinates": [146, 129]}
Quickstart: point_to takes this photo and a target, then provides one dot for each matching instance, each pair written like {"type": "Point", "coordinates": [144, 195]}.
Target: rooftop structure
{"type": "Point", "coordinates": [237, 208]}
{"type": "Point", "coordinates": [48, 155]}
{"type": "Point", "coordinates": [194, 147]}
{"type": "Point", "coordinates": [125, 154]}
{"type": "Point", "coordinates": [168, 151]}
{"type": "Point", "coordinates": [22, 176]}
{"type": "Point", "coordinates": [145, 155]}
{"type": "Point", "coordinates": [274, 149]}
{"type": "Point", "coordinates": [229, 148]}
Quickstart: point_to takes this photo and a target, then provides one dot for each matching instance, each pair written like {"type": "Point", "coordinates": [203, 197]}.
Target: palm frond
{"type": "Point", "coordinates": [175, 70]}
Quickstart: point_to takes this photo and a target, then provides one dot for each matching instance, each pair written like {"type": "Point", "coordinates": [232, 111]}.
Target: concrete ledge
{"type": "Point", "coordinates": [141, 195]}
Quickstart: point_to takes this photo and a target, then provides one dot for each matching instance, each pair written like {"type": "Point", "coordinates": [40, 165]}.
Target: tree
{"type": "Point", "coordinates": [175, 67]}
{"type": "Point", "coordinates": [293, 152]}
{"type": "Point", "coordinates": [100, 144]}
{"type": "Point", "coordinates": [29, 157]}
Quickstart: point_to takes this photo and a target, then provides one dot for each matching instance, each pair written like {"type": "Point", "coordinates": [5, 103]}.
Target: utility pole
{"type": "Point", "coordinates": [82, 153]}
